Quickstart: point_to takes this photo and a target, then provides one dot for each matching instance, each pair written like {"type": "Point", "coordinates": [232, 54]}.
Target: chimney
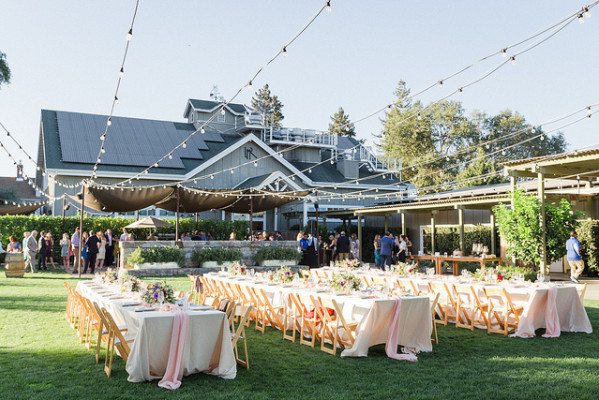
{"type": "Point", "coordinates": [20, 171]}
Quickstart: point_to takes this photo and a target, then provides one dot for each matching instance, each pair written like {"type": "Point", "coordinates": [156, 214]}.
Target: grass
{"type": "Point", "coordinates": [41, 358]}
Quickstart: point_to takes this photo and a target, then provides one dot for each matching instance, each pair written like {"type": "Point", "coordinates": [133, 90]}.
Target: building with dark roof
{"type": "Point", "coordinates": [233, 150]}
{"type": "Point", "coordinates": [17, 189]}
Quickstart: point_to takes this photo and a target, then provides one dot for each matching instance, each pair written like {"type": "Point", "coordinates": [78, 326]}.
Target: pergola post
{"type": "Point", "coordinates": [305, 215]}
{"type": "Point", "coordinates": [433, 212]}
{"type": "Point", "coordinates": [80, 248]}
{"type": "Point", "coordinates": [542, 224]}
{"type": "Point", "coordinates": [493, 234]}
{"type": "Point", "coordinates": [461, 228]}
{"type": "Point", "coordinates": [386, 223]}
{"type": "Point", "coordinates": [403, 223]}
{"type": "Point", "coordinates": [177, 216]}
{"type": "Point", "coordinates": [360, 237]}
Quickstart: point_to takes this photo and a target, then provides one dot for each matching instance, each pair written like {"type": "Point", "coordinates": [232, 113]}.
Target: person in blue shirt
{"type": "Point", "coordinates": [574, 259]}
{"type": "Point", "coordinates": [386, 244]}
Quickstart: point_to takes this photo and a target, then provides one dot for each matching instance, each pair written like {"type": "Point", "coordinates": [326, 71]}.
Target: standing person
{"type": "Point", "coordinates": [377, 251]}
{"type": "Point", "coordinates": [335, 247]}
{"type": "Point", "coordinates": [386, 249]}
{"type": "Point", "coordinates": [408, 245]}
{"type": "Point", "coordinates": [41, 246]}
{"type": "Point", "coordinates": [101, 250]}
{"type": "Point", "coordinates": [402, 249]}
{"type": "Point", "coordinates": [31, 249]}
{"type": "Point", "coordinates": [203, 236]}
{"type": "Point", "coordinates": [574, 259]}
{"type": "Point", "coordinates": [48, 253]}
{"type": "Point", "coordinates": [65, 248]}
{"type": "Point", "coordinates": [124, 236]}
{"type": "Point", "coordinates": [343, 246]}
{"type": "Point", "coordinates": [75, 243]}
{"type": "Point", "coordinates": [278, 236]}
{"type": "Point", "coordinates": [93, 245]}
{"type": "Point", "coordinates": [84, 238]}
{"type": "Point", "coordinates": [109, 260]}
{"type": "Point", "coordinates": [13, 246]}
{"type": "Point", "coordinates": [354, 247]}
{"type": "Point", "coordinates": [1, 248]}
{"type": "Point", "coordinates": [209, 236]}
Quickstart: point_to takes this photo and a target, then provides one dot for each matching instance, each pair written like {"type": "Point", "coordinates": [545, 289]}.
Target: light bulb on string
{"type": "Point", "coordinates": [130, 34]}
{"type": "Point", "coordinates": [513, 59]}
{"type": "Point", "coordinates": [222, 111]}
{"type": "Point", "coordinates": [116, 100]}
{"type": "Point", "coordinates": [232, 170]}
{"type": "Point", "coordinates": [328, 6]}
{"type": "Point", "coordinates": [461, 91]}
{"type": "Point", "coordinates": [581, 18]}
{"type": "Point", "coordinates": [109, 122]}
{"type": "Point", "coordinates": [255, 163]}
{"type": "Point", "coordinates": [202, 130]}
{"type": "Point", "coordinates": [587, 12]}
{"type": "Point", "coordinates": [170, 156]}
{"type": "Point", "coordinates": [440, 83]}
{"type": "Point", "coordinates": [102, 150]}
{"type": "Point", "coordinates": [121, 72]}
{"type": "Point", "coordinates": [504, 52]}
{"type": "Point", "coordinates": [211, 176]}
{"type": "Point", "coordinates": [250, 85]}
{"type": "Point", "coordinates": [284, 51]}
{"type": "Point", "coordinates": [184, 145]}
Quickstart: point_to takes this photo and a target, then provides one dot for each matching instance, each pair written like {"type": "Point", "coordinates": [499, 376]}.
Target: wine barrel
{"type": "Point", "coordinates": [14, 265]}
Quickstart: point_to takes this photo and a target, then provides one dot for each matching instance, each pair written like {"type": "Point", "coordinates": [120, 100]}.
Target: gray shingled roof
{"type": "Point", "coordinates": [208, 105]}
{"type": "Point", "coordinates": [328, 172]}
{"type": "Point", "coordinates": [72, 141]}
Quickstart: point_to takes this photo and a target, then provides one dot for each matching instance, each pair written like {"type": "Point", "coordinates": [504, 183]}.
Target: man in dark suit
{"type": "Point", "coordinates": [109, 248]}
{"type": "Point", "coordinates": [343, 246]}
{"type": "Point", "coordinates": [92, 252]}
{"type": "Point", "coordinates": [386, 244]}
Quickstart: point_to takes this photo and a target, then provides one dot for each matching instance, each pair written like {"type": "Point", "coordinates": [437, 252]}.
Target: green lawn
{"type": "Point", "coordinates": [41, 358]}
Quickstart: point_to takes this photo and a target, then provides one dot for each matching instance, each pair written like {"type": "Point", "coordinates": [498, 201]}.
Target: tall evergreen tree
{"type": "Point", "coordinates": [341, 124]}
{"type": "Point", "coordinates": [270, 106]}
{"type": "Point", "coordinates": [4, 70]}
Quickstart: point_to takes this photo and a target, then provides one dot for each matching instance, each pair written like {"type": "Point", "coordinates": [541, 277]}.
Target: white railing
{"type": "Point", "coordinates": [308, 137]}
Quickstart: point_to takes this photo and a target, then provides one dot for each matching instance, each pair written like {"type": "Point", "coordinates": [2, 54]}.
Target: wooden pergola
{"type": "Point", "coordinates": [581, 166]}
{"type": "Point", "coordinates": [556, 176]}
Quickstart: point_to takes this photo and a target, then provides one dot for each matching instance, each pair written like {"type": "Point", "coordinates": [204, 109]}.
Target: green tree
{"type": "Point", "coordinates": [270, 106]}
{"type": "Point", "coordinates": [431, 141]}
{"type": "Point", "coordinates": [4, 70]}
{"type": "Point", "coordinates": [341, 124]}
{"type": "Point", "coordinates": [520, 226]}
{"type": "Point", "coordinates": [481, 171]}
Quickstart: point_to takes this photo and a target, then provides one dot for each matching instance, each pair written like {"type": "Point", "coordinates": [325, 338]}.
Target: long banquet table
{"type": "Point", "coordinates": [374, 314]}
{"type": "Point", "coordinates": [207, 349]}
{"type": "Point", "coordinates": [532, 296]}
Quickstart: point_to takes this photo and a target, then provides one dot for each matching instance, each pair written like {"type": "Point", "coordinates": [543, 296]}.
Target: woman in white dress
{"type": "Point", "coordinates": [101, 250]}
{"type": "Point", "coordinates": [354, 247]}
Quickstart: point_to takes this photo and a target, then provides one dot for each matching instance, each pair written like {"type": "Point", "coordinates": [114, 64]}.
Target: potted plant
{"type": "Point", "coordinates": [277, 256]}
{"type": "Point", "coordinates": [215, 257]}
{"type": "Point", "coordinates": [156, 258]}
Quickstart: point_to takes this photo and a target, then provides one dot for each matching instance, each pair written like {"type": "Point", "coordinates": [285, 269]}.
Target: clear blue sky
{"type": "Point", "coordinates": [65, 55]}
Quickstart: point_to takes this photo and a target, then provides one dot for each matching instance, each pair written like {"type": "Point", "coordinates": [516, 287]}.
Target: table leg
{"type": "Point", "coordinates": [439, 266]}
{"type": "Point", "coordinates": [456, 268]}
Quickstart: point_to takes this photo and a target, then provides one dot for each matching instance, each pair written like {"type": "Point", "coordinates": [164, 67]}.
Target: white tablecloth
{"type": "Point", "coordinates": [532, 296]}
{"type": "Point", "coordinates": [373, 315]}
{"type": "Point", "coordinates": [208, 346]}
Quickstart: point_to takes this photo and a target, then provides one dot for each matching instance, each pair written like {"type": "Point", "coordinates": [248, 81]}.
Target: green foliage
{"type": "Point", "coordinates": [4, 70]}
{"type": "Point", "coordinates": [588, 235]}
{"type": "Point", "coordinates": [277, 253]}
{"type": "Point", "coordinates": [520, 227]}
{"type": "Point", "coordinates": [341, 124]}
{"type": "Point", "coordinates": [157, 254]}
{"type": "Point", "coordinates": [270, 106]}
{"type": "Point", "coordinates": [447, 239]}
{"type": "Point", "coordinates": [430, 137]}
{"type": "Point", "coordinates": [218, 254]}
{"type": "Point", "coordinates": [17, 225]}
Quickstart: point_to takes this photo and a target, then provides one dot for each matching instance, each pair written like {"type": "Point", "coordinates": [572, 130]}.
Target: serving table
{"type": "Point", "coordinates": [208, 347]}
{"type": "Point", "coordinates": [455, 260]}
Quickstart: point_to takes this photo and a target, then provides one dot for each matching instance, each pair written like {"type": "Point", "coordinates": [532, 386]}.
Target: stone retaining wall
{"type": "Point", "coordinates": [248, 249]}
{"type": "Point", "coordinates": [140, 273]}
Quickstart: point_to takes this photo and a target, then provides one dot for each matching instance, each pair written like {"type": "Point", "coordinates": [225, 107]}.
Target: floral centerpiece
{"type": "Point", "coordinates": [404, 269]}
{"type": "Point", "coordinates": [503, 273]}
{"type": "Point", "coordinates": [283, 274]}
{"type": "Point", "coordinates": [237, 269]}
{"type": "Point", "coordinates": [344, 282]}
{"type": "Point", "coordinates": [160, 293]}
{"type": "Point", "coordinates": [110, 276]}
{"type": "Point", "coordinates": [131, 284]}
{"type": "Point", "coordinates": [348, 264]}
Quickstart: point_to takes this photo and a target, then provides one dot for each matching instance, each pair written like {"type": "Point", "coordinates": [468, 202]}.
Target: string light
{"type": "Point", "coordinates": [513, 60]}
{"type": "Point", "coordinates": [581, 18]}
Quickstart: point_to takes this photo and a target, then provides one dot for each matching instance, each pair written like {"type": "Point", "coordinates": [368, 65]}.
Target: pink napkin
{"type": "Point", "coordinates": [552, 326]}
{"type": "Point", "coordinates": [391, 346]}
{"type": "Point", "coordinates": [174, 371]}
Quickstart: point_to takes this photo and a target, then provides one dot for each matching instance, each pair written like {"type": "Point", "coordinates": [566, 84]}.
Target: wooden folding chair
{"type": "Point", "coordinates": [70, 301]}
{"type": "Point", "coordinates": [500, 301]}
{"type": "Point", "coordinates": [367, 282]}
{"type": "Point", "coordinates": [305, 273]}
{"type": "Point", "coordinates": [469, 305]}
{"type": "Point", "coordinates": [326, 323]}
{"type": "Point", "coordinates": [115, 339]}
{"type": "Point", "coordinates": [434, 299]}
{"type": "Point", "coordinates": [239, 334]}
{"type": "Point", "coordinates": [307, 321]}
{"type": "Point", "coordinates": [82, 317]}
{"type": "Point", "coordinates": [405, 285]}
{"type": "Point", "coordinates": [292, 319]}
{"type": "Point", "coordinates": [345, 331]}
{"type": "Point", "coordinates": [271, 313]}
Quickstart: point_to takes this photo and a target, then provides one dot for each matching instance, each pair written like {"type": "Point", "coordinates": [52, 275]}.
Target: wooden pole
{"type": "Point", "coordinates": [433, 232]}
{"type": "Point", "coordinates": [461, 224]}
{"type": "Point", "coordinates": [63, 210]}
{"type": "Point", "coordinates": [196, 221]}
{"type": "Point", "coordinates": [317, 242]}
{"type": "Point", "coordinates": [493, 234]}
{"type": "Point", "coordinates": [403, 223]}
{"type": "Point", "coordinates": [360, 237]}
{"type": "Point", "coordinates": [251, 218]}
{"type": "Point", "coordinates": [541, 192]}
{"type": "Point", "coordinates": [386, 223]}
{"type": "Point", "coordinates": [83, 189]}
{"type": "Point", "coordinates": [177, 215]}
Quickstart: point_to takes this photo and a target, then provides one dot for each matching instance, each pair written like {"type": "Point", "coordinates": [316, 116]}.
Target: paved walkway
{"type": "Point", "coordinates": [592, 292]}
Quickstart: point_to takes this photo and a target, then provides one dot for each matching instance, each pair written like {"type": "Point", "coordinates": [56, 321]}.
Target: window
{"type": "Point", "coordinates": [220, 117]}
{"type": "Point", "coordinates": [193, 117]}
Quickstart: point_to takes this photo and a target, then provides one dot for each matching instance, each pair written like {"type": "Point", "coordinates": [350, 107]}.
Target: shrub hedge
{"type": "Point", "coordinates": [277, 253]}
{"type": "Point", "coordinates": [18, 225]}
{"type": "Point", "coordinates": [588, 234]}
{"type": "Point", "coordinates": [157, 255]}
{"type": "Point", "coordinates": [218, 254]}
